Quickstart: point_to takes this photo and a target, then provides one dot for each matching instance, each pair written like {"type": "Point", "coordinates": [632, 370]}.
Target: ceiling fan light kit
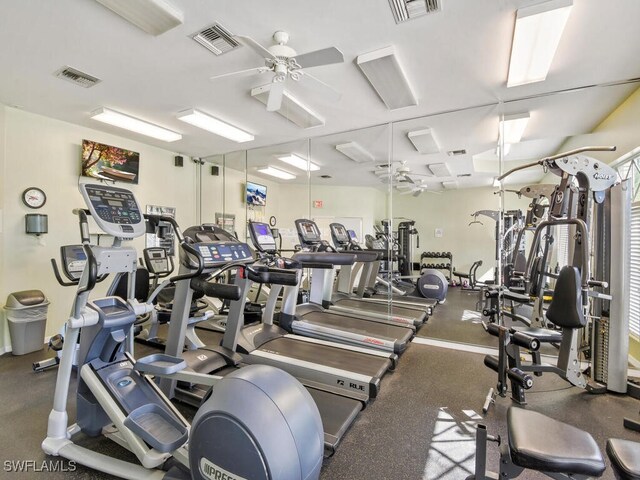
{"type": "Point", "coordinates": [291, 108]}
{"type": "Point", "coordinates": [384, 72]}
{"type": "Point", "coordinates": [152, 16]}
{"type": "Point", "coordinates": [121, 120]}
{"type": "Point", "coordinates": [355, 152]}
{"type": "Point", "coordinates": [536, 38]}
{"type": "Point", "coordinates": [214, 125]}
{"type": "Point", "coordinates": [424, 141]}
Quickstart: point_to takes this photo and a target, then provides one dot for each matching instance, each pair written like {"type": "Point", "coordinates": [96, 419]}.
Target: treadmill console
{"type": "Point", "coordinates": [156, 260]}
{"type": "Point", "coordinates": [352, 236]}
{"type": "Point", "coordinates": [216, 246]}
{"type": "Point", "coordinates": [340, 236]}
{"type": "Point", "coordinates": [114, 209]}
{"type": "Point", "coordinates": [262, 237]}
{"type": "Point", "coordinates": [308, 232]}
{"type": "Point", "coordinates": [73, 261]}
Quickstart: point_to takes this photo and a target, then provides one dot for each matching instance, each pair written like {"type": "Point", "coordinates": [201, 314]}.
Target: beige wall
{"type": "Point", "coordinates": [46, 153]}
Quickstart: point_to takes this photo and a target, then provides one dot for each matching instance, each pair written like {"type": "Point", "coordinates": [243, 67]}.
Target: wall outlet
{"type": "Point", "coordinates": [438, 233]}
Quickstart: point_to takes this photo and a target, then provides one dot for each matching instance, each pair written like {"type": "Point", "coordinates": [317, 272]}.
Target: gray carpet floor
{"type": "Point", "coordinates": [421, 426]}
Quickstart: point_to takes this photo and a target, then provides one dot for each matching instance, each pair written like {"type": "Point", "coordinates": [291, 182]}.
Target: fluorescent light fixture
{"type": "Point", "coordinates": [133, 124]}
{"type": "Point", "coordinates": [152, 16]}
{"type": "Point", "coordinates": [385, 75]}
{"type": "Point", "coordinates": [424, 141]}
{"type": "Point", "coordinates": [299, 162]}
{"type": "Point", "coordinates": [355, 152]}
{"type": "Point", "coordinates": [512, 127]}
{"type": "Point", "coordinates": [535, 40]}
{"type": "Point", "coordinates": [506, 149]}
{"type": "Point", "coordinates": [451, 185]}
{"type": "Point", "coordinates": [439, 169]}
{"type": "Point", "coordinates": [291, 109]}
{"type": "Point", "coordinates": [276, 172]}
{"type": "Point", "coordinates": [213, 125]}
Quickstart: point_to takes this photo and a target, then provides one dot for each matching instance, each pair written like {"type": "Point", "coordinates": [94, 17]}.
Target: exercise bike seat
{"type": "Point", "coordinates": [625, 458]}
{"type": "Point", "coordinates": [541, 443]}
{"type": "Point", "coordinates": [543, 335]}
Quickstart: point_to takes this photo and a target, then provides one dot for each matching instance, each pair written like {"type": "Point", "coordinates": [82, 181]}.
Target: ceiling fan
{"type": "Point", "coordinates": [415, 188]}
{"type": "Point", "coordinates": [401, 174]}
{"type": "Point", "coordinates": [285, 63]}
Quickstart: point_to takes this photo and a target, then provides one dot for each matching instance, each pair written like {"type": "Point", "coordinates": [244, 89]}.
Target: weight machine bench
{"type": "Point", "coordinates": [471, 276]}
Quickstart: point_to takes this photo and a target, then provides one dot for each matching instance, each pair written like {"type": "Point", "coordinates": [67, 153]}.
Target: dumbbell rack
{"type": "Point", "coordinates": [447, 267]}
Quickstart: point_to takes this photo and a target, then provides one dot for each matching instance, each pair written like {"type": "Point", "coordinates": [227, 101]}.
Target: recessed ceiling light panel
{"type": "Point", "coordinates": [512, 127]}
{"type": "Point", "coordinates": [451, 185]}
{"type": "Point", "coordinates": [121, 120]}
{"type": "Point", "coordinates": [535, 40]}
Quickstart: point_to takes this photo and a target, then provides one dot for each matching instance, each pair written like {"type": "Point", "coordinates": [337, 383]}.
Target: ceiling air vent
{"type": "Point", "coordinates": [76, 76]}
{"type": "Point", "coordinates": [326, 176]}
{"type": "Point", "coordinates": [463, 175]}
{"type": "Point", "coordinates": [216, 39]}
{"type": "Point", "coordinates": [404, 10]}
{"type": "Point", "coordinates": [454, 153]}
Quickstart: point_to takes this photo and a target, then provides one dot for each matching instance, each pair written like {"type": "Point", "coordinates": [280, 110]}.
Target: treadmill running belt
{"type": "Point", "coordinates": [334, 357]}
{"type": "Point", "coordinates": [356, 325]}
{"type": "Point", "coordinates": [365, 307]}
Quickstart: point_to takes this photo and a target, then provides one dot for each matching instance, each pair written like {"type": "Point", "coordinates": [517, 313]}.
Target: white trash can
{"type": "Point", "coordinates": [27, 318]}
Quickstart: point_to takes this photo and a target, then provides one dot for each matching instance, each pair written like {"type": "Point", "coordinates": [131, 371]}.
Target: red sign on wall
{"type": "Point", "coordinates": [317, 204]}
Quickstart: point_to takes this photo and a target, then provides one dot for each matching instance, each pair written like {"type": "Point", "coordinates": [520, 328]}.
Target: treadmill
{"type": "Point", "coordinates": [313, 320]}
{"type": "Point", "coordinates": [343, 241]}
{"type": "Point", "coordinates": [208, 255]}
{"type": "Point", "coordinates": [342, 300]}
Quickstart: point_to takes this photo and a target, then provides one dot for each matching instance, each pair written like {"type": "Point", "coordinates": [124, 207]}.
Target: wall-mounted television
{"type": "Point", "coordinates": [256, 194]}
{"type": "Point", "coordinates": [109, 163]}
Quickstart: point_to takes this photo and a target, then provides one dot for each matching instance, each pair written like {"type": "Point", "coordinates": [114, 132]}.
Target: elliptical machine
{"type": "Point", "coordinates": [258, 423]}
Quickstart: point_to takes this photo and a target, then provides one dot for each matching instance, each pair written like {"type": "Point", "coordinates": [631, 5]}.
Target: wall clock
{"type": "Point", "coordinates": [34, 197]}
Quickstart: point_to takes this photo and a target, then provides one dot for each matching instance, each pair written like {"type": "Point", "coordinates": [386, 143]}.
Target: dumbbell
{"type": "Point", "coordinates": [448, 266]}
{"type": "Point", "coordinates": [448, 254]}
{"type": "Point", "coordinates": [438, 254]}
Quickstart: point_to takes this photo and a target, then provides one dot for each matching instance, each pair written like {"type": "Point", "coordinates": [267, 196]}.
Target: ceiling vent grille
{"type": "Point", "coordinates": [455, 153]}
{"type": "Point", "coordinates": [404, 10]}
{"type": "Point", "coordinates": [216, 39]}
{"type": "Point", "coordinates": [76, 76]}
{"type": "Point", "coordinates": [460, 175]}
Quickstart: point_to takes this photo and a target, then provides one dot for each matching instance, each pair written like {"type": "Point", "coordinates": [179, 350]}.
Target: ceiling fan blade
{"type": "Point", "coordinates": [406, 178]}
{"type": "Point", "coordinates": [326, 56]}
{"type": "Point", "coordinates": [417, 193]}
{"type": "Point", "coordinates": [240, 72]}
{"type": "Point", "coordinates": [255, 46]}
{"type": "Point", "coordinates": [406, 192]}
{"type": "Point", "coordinates": [330, 92]}
{"type": "Point", "coordinates": [404, 186]}
{"type": "Point", "coordinates": [274, 102]}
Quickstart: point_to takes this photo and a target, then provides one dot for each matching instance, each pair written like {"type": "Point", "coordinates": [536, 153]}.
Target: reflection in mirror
{"type": "Point", "coordinates": [234, 215]}
{"type": "Point", "coordinates": [277, 190]}
{"type": "Point", "coordinates": [351, 189]}
{"type": "Point", "coordinates": [212, 185]}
